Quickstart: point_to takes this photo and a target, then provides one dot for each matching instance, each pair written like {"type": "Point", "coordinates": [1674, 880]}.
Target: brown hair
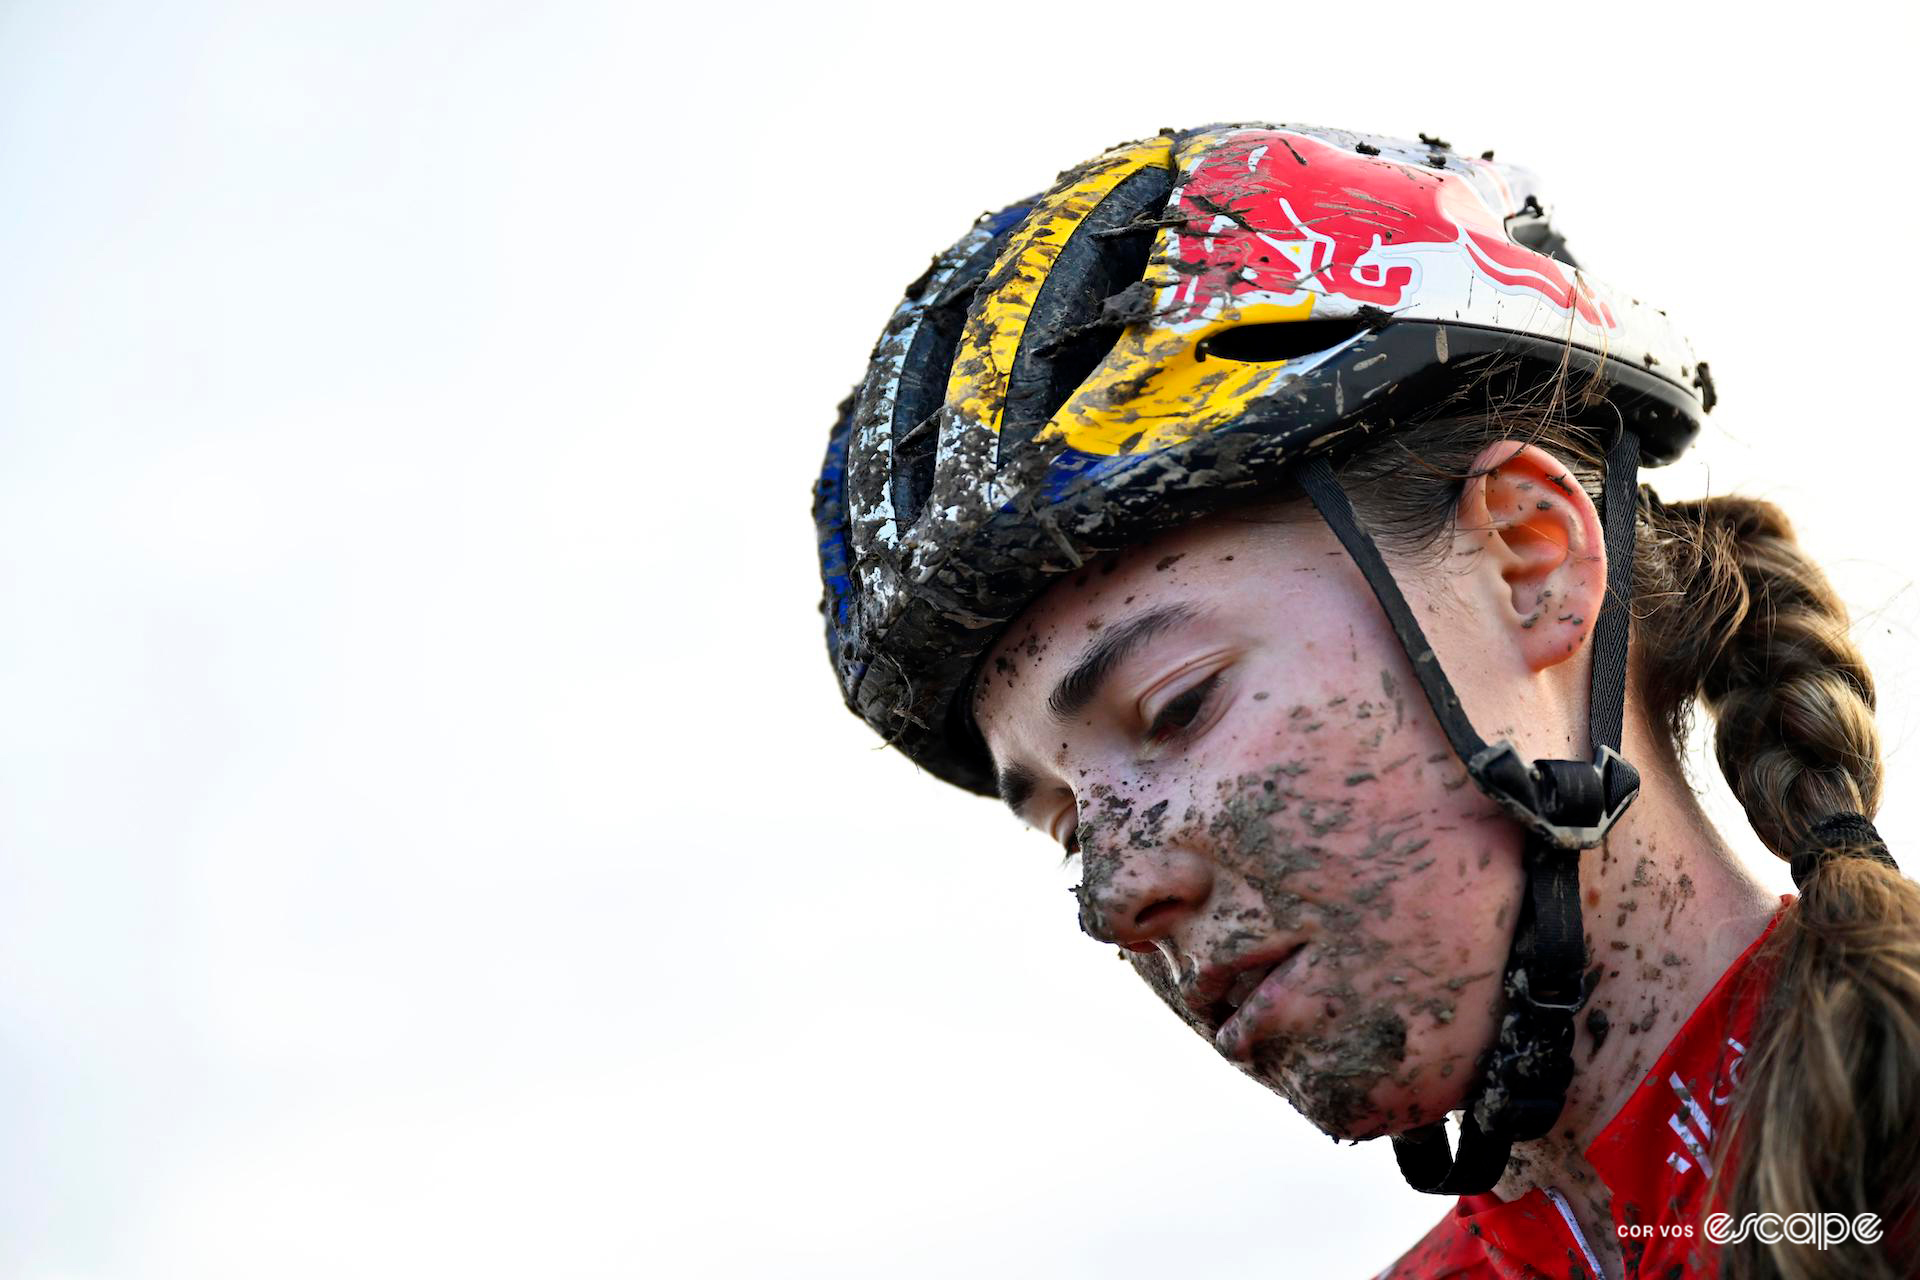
{"type": "Point", "coordinates": [1728, 610]}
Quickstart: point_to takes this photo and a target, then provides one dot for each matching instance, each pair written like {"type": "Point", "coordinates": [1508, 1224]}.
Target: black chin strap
{"type": "Point", "coordinates": [1565, 806]}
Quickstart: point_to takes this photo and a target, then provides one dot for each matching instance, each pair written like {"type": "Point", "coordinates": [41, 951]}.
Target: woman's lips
{"type": "Point", "coordinates": [1252, 1021]}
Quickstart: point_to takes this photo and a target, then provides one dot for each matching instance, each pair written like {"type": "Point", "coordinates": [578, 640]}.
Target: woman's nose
{"type": "Point", "coordinates": [1134, 897]}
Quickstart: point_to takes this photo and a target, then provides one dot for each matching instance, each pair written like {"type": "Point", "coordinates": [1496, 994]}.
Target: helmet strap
{"type": "Point", "coordinates": [1564, 805]}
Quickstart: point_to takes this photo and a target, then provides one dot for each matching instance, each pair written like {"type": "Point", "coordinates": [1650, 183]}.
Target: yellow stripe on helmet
{"type": "Point", "coordinates": [977, 388]}
{"type": "Point", "coordinates": [1158, 387]}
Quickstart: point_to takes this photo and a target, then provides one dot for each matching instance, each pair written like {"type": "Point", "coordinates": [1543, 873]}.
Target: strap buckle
{"type": "Point", "coordinates": [1520, 988]}
{"type": "Point", "coordinates": [1569, 804]}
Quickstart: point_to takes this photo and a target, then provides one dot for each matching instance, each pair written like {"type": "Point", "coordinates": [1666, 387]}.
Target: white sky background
{"type": "Point", "coordinates": [430, 840]}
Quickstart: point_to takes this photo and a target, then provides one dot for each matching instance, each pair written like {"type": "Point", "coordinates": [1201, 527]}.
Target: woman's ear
{"type": "Point", "coordinates": [1541, 557]}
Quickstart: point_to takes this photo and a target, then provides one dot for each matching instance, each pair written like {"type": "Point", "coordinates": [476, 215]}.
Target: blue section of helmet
{"type": "Point", "coordinates": [1069, 469]}
{"type": "Point", "coordinates": [830, 520]}
{"type": "Point", "coordinates": [998, 223]}
{"type": "Point", "coordinates": [1072, 468]}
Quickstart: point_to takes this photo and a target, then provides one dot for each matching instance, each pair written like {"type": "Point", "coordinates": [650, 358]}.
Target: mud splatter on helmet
{"type": "Point", "coordinates": [1179, 323]}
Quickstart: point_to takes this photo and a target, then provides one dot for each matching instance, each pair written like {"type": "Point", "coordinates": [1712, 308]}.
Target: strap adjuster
{"type": "Point", "coordinates": [1570, 804]}
{"type": "Point", "coordinates": [1520, 988]}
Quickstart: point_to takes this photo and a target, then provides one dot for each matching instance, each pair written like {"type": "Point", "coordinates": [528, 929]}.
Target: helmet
{"type": "Point", "coordinates": [1170, 326]}
{"type": "Point", "coordinates": [1179, 323]}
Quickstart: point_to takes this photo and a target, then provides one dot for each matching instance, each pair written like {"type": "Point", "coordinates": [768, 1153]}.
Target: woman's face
{"type": "Point", "coordinates": [1269, 818]}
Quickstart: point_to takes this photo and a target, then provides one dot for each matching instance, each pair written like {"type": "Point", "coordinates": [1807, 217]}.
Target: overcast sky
{"type": "Point", "coordinates": [430, 840]}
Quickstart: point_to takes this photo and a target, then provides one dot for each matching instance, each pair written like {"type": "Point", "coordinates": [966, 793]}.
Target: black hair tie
{"type": "Point", "coordinates": [1834, 836]}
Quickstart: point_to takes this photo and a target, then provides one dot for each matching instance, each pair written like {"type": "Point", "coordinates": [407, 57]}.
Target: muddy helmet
{"type": "Point", "coordinates": [1169, 327]}
{"type": "Point", "coordinates": [1187, 320]}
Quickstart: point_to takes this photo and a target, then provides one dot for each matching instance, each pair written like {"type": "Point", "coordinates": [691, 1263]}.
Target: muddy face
{"type": "Point", "coordinates": [1268, 817]}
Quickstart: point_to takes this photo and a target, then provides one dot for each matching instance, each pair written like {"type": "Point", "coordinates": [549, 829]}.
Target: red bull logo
{"type": "Point", "coordinates": [1277, 216]}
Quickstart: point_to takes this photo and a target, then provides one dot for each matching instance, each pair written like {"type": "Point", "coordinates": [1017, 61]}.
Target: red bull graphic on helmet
{"type": "Point", "coordinates": [1271, 216]}
{"type": "Point", "coordinates": [1271, 225]}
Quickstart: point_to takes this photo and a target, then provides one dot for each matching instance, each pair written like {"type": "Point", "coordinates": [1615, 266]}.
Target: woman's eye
{"type": "Point", "coordinates": [1180, 713]}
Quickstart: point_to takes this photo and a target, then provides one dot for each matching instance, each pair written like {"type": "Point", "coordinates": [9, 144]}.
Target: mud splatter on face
{"type": "Point", "coordinates": [1349, 1061]}
{"type": "Point", "coordinates": [1314, 851]}
{"type": "Point", "coordinates": [1302, 875]}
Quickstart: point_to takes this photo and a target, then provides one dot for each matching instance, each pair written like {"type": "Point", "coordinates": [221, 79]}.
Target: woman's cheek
{"type": "Point", "coordinates": [1450, 971]}
{"type": "Point", "coordinates": [1348, 823]}
{"type": "Point", "coordinates": [1411, 998]}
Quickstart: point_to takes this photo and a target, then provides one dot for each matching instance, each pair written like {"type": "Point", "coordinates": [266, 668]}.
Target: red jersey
{"type": "Point", "coordinates": [1655, 1157]}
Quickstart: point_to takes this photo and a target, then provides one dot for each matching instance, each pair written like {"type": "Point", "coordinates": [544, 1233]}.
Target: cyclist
{"type": "Point", "coordinates": [1256, 511]}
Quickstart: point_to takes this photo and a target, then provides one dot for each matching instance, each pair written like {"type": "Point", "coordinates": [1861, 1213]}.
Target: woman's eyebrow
{"type": "Point", "coordinates": [1096, 662]}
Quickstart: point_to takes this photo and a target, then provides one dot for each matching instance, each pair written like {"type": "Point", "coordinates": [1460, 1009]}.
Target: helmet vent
{"type": "Point", "coordinates": [1282, 340]}
{"type": "Point", "coordinates": [1072, 327]}
{"type": "Point", "coordinates": [1531, 228]}
{"type": "Point", "coordinates": [923, 378]}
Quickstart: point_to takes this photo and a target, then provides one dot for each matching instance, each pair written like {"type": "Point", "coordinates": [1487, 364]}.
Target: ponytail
{"type": "Point", "coordinates": [1827, 1118]}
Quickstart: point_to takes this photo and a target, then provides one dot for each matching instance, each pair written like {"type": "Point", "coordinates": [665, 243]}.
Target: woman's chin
{"type": "Point", "coordinates": [1352, 1107]}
